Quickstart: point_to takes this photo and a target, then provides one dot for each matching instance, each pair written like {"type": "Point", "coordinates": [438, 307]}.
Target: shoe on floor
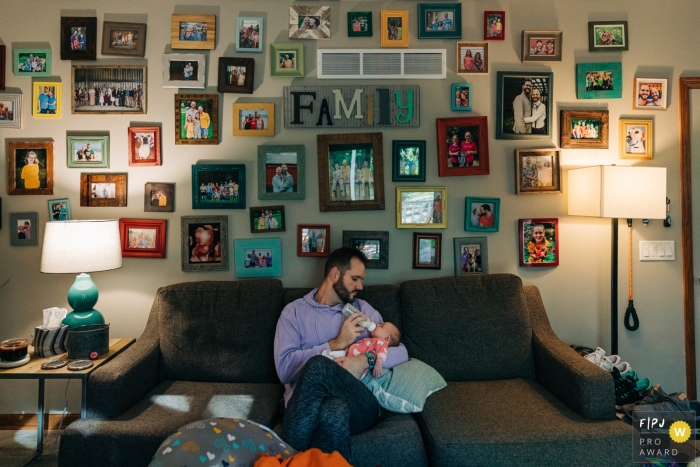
{"type": "Point", "coordinates": [623, 367]}
{"type": "Point", "coordinates": [598, 358]}
{"type": "Point", "coordinates": [676, 402]}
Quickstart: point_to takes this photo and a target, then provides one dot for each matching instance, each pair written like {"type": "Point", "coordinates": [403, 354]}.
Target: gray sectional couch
{"type": "Point", "coordinates": [516, 394]}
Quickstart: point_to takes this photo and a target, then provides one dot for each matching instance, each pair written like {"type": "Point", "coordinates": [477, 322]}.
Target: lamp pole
{"type": "Point", "coordinates": [613, 290]}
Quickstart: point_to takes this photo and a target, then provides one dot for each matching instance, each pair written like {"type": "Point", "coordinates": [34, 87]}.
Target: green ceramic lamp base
{"type": "Point", "coordinates": [82, 297]}
{"type": "Point", "coordinates": [75, 319]}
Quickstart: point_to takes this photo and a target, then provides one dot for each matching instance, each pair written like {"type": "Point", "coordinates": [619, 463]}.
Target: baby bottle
{"type": "Point", "coordinates": [348, 310]}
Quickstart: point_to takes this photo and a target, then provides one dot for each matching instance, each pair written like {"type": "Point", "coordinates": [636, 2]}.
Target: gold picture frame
{"type": "Point", "coordinates": [243, 126]}
{"type": "Point", "coordinates": [203, 23]}
{"type": "Point", "coordinates": [418, 207]}
{"type": "Point", "coordinates": [584, 129]}
{"type": "Point", "coordinates": [396, 33]}
{"type": "Point", "coordinates": [640, 142]}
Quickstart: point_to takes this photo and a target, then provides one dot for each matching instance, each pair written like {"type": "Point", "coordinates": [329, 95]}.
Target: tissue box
{"type": "Point", "coordinates": [50, 342]}
{"type": "Point", "coordinates": [84, 340]}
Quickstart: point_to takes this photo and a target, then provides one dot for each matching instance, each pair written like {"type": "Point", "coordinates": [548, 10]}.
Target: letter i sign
{"type": "Point", "coordinates": [679, 431]}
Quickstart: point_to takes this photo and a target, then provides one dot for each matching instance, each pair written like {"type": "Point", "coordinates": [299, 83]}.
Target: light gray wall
{"type": "Point", "coordinates": [664, 44]}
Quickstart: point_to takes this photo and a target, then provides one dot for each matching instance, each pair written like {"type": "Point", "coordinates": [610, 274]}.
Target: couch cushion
{"type": "Point", "coordinates": [469, 328]}
{"type": "Point", "coordinates": [516, 422]}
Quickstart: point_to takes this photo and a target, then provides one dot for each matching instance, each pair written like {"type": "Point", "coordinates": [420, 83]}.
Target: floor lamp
{"type": "Point", "coordinates": [615, 192]}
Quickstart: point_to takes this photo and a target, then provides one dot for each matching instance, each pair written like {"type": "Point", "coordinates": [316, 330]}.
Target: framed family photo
{"type": "Point", "coordinates": [394, 28]}
{"type": "Point", "coordinates": [265, 219]}
{"type": "Point", "coordinates": [309, 22]}
{"type": "Point", "coordinates": [421, 207]}
{"type": "Point", "coordinates": [463, 146]}
{"type": "Point", "coordinates": [196, 119]}
{"type": "Point", "coordinates": [494, 25]}
{"type": "Point", "coordinates": [47, 99]}
{"type": "Point", "coordinates": [254, 119]}
{"type": "Point", "coordinates": [218, 186]}
{"type": "Point", "coordinates": [482, 214]}
{"type": "Point", "coordinates": [32, 62]}
{"type": "Point", "coordinates": [30, 168]}
{"type": "Point", "coordinates": [650, 94]}
{"type": "Point", "coordinates": [524, 105]}
{"type": "Point", "coordinates": [59, 210]}
{"type": "Point", "coordinates": [287, 59]}
{"type": "Point", "coordinates": [541, 46]}
{"type": "Point", "coordinates": [128, 39]}
{"type": "Point", "coordinates": [461, 96]}
{"type": "Point", "coordinates": [236, 75]}
{"type": "Point", "coordinates": [258, 257]}
{"type": "Point", "coordinates": [439, 21]}
{"type": "Point", "coordinates": [103, 189]}
{"type": "Point", "coordinates": [607, 36]}
{"type": "Point", "coordinates": [189, 31]}
{"type": "Point", "coordinates": [281, 170]}
{"type": "Point", "coordinates": [144, 145]}
{"type": "Point", "coordinates": [24, 228]}
{"type": "Point", "coordinates": [78, 38]}
{"type": "Point", "coordinates": [635, 139]}
{"type": "Point", "coordinates": [584, 129]}
{"type": "Point", "coordinates": [599, 80]}
{"type": "Point", "coordinates": [87, 152]}
{"type": "Point", "coordinates": [184, 71]}
{"type": "Point", "coordinates": [408, 161]}
{"type": "Point", "coordinates": [10, 110]}
{"type": "Point", "coordinates": [427, 250]}
{"type": "Point", "coordinates": [471, 256]}
{"type": "Point", "coordinates": [472, 57]}
{"type": "Point", "coordinates": [250, 34]}
{"type": "Point", "coordinates": [538, 171]}
{"type": "Point", "coordinates": [143, 238]}
{"type": "Point", "coordinates": [359, 24]}
{"type": "Point", "coordinates": [159, 197]}
{"type": "Point", "coordinates": [539, 242]}
{"type": "Point", "coordinates": [313, 239]}
{"type": "Point", "coordinates": [108, 89]}
{"type": "Point", "coordinates": [204, 243]}
{"type": "Point", "coordinates": [374, 245]}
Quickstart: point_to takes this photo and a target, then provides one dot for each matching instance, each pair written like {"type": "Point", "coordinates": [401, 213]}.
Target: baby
{"type": "Point", "coordinates": [384, 336]}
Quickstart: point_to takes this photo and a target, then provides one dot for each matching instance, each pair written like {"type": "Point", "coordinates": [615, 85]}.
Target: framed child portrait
{"type": "Point", "coordinates": [47, 99]}
{"type": "Point", "coordinates": [599, 80]}
{"type": "Point", "coordinates": [538, 171]}
{"type": "Point", "coordinates": [287, 59]}
{"type": "Point", "coordinates": [30, 168]}
{"type": "Point", "coordinates": [494, 25]}
{"type": "Point", "coordinates": [439, 21]}
{"type": "Point", "coordinates": [607, 36]}
{"type": "Point", "coordinates": [472, 57]}
{"type": "Point", "coordinates": [103, 189]}
{"type": "Point", "coordinates": [461, 96]}
{"type": "Point", "coordinates": [143, 238]}
{"type": "Point", "coordinates": [374, 245]}
{"type": "Point", "coordinates": [87, 152]}
{"type": "Point", "coordinates": [258, 257]}
{"type": "Point", "coordinates": [265, 219]}
{"type": "Point", "coordinates": [482, 214]}
{"type": "Point", "coordinates": [191, 31]}
{"type": "Point", "coordinates": [541, 46]}
{"type": "Point", "coordinates": [236, 75]}
{"type": "Point", "coordinates": [218, 186]}
{"type": "Point", "coordinates": [159, 197]}
{"type": "Point", "coordinates": [144, 145]}
{"type": "Point", "coordinates": [250, 34]}
{"type": "Point", "coordinates": [313, 239]}
{"type": "Point", "coordinates": [281, 172]}
{"type": "Point", "coordinates": [650, 93]}
{"type": "Point", "coordinates": [78, 38]}
{"type": "Point", "coordinates": [31, 62]}
{"type": "Point", "coordinates": [184, 71]}
{"type": "Point", "coordinates": [427, 250]}
{"type": "Point", "coordinates": [108, 89]}
{"type": "Point", "coordinates": [394, 28]}
{"type": "Point", "coordinates": [524, 105]}
{"type": "Point", "coordinates": [254, 119]}
{"type": "Point", "coordinates": [128, 39]}
{"type": "Point", "coordinates": [471, 256]}
{"type": "Point", "coordinates": [10, 110]}
{"type": "Point", "coordinates": [359, 23]}
{"type": "Point", "coordinates": [421, 207]}
{"type": "Point", "coordinates": [196, 119]}
{"type": "Point", "coordinates": [309, 22]}
{"type": "Point", "coordinates": [24, 228]}
{"type": "Point", "coordinates": [584, 129]}
{"type": "Point", "coordinates": [59, 210]}
{"type": "Point", "coordinates": [539, 242]}
{"type": "Point", "coordinates": [636, 138]}
{"type": "Point", "coordinates": [463, 146]}
{"type": "Point", "coordinates": [204, 243]}
{"type": "Point", "coordinates": [408, 161]}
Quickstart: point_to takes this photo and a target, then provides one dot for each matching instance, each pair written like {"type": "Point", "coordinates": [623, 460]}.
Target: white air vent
{"type": "Point", "coordinates": [385, 64]}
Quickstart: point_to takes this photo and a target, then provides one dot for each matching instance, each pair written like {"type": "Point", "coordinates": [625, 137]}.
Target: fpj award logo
{"type": "Point", "coordinates": [664, 437]}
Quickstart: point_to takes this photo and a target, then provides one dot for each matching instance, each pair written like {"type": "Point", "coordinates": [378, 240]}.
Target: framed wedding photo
{"type": "Point", "coordinates": [108, 89]}
{"type": "Point", "coordinates": [309, 22]}
{"type": "Point", "coordinates": [359, 24]}
{"type": "Point", "coordinates": [650, 94]}
{"type": "Point", "coordinates": [541, 46]}
{"type": "Point", "coordinates": [59, 210]}
{"type": "Point", "coordinates": [78, 38]}
{"type": "Point", "coordinates": [394, 28]}
{"type": "Point", "coordinates": [471, 256]}
{"type": "Point", "coordinates": [47, 99]}
{"type": "Point", "coordinates": [31, 62]}
{"type": "Point", "coordinates": [250, 35]}
{"type": "Point", "coordinates": [537, 171]}
{"type": "Point", "coordinates": [254, 119]}
{"type": "Point", "coordinates": [494, 25]}
{"type": "Point", "coordinates": [607, 36]}
{"type": "Point", "coordinates": [10, 110]}
{"type": "Point", "coordinates": [539, 242]}
{"type": "Point", "coordinates": [281, 172]}
{"type": "Point", "coordinates": [159, 197]}
{"type": "Point", "coordinates": [265, 219]}
{"type": "Point", "coordinates": [463, 146]}
{"type": "Point", "coordinates": [143, 238]}
{"type": "Point", "coordinates": [218, 186]}
{"type": "Point", "coordinates": [313, 239]}
{"type": "Point", "coordinates": [439, 21]}
{"type": "Point", "coordinates": [599, 80]}
{"type": "Point", "coordinates": [103, 189]}
{"type": "Point", "coordinates": [584, 129]}
{"type": "Point", "coordinates": [408, 161]}
{"type": "Point", "coordinates": [236, 75]}
{"type": "Point", "coordinates": [24, 229]}
{"type": "Point", "coordinates": [636, 138]}
{"type": "Point", "coordinates": [472, 57]}
{"type": "Point", "coordinates": [258, 257]}
{"type": "Point", "coordinates": [421, 207]}
{"type": "Point", "coordinates": [196, 119]}
{"type": "Point", "coordinates": [30, 168]}
{"type": "Point", "coordinates": [204, 243]}
{"type": "Point", "coordinates": [287, 59]}
{"type": "Point", "coordinates": [374, 245]}
{"type": "Point", "coordinates": [427, 250]}
{"type": "Point", "coordinates": [184, 71]}
{"type": "Point", "coordinates": [461, 96]}
{"type": "Point", "coordinates": [87, 152]}
{"type": "Point", "coordinates": [144, 146]}
{"type": "Point", "coordinates": [482, 214]}
{"type": "Point", "coordinates": [524, 103]}
{"type": "Point", "coordinates": [127, 39]}
{"type": "Point", "coordinates": [189, 31]}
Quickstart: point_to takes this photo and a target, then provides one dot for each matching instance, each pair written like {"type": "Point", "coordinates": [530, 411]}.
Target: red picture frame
{"type": "Point", "coordinates": [532, 256]}
{"type": "Point", "coordinates": [494, 15]}
{"type": "Point", "coordinates": [140, 138]}
{"type": "Point", "coordinates": [143, 238]}
{"type": "Point", "coordinates": [303, 248]}
{"type": "Point", "coordinates": [456, 156]}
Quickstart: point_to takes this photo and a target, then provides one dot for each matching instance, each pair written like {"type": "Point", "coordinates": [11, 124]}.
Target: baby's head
{"type": "Point", "coordinates": [389, 332]}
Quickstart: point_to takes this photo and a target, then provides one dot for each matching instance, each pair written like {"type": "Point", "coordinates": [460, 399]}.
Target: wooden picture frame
{"type": "Point", "coordinates": [185, 70]}
{"type": "Point", "coordinates": [433, 16]}
{"type": "Point", "coordinates": [144, 146]}
{"type": "Point", "coordinates": [584, 129]}
{"type": "Point", "coordinates": [533, 256]}
{"type": "Point", "coordinates": [607, 36]}
{"type": "Point", "coordinates": [471, 256]}
{"type": "Point", "coordinates": [458, 138]}
{"type": "Point", "coordinates": [230, 70]}
{"type": "Point", "coordinates": [374, 244]}
{"type": "Point", "coordinates": [650, 94]}
{"type": "Point", "coordinates": [541, 46]}
{"type": "Point", "coordinates": [535, 178]}
{"type": "Point", "coordinates": [290, 183]}
{"type": "Point", "coordinates": [143, 238]}
{"type": "Point", "coordinates": [636, 138]}
{"type": "Point", "coordinates": [184, 109]}
{"type": "Point", "coordinates": [472, 57]}
{"type": "Point", "coordinates": [270, 248]}
{"type": "Point", "coordinates": [11, 109]}
{"type": "Point", "coordinates": [24, 180]}
{"type": "Point", "coordinates": [427, 250]}
{"type": "Point", "coordinates": [159, 197]}
{"type": "Point", "coordinates": [218, 186]}
{"type": "Point", "coordinates": [21, 225]}
{"type": "Point", "coordinates": [82, 29]}
{"type": "Point", "coordinates": [250, 34]}
{"type": "Point", "coordinates": [421, 207]}
{"type": "Point", "coordinates": [362, 148]}
{"type": "Point", "coordinates": [264, 219]}
{"type": "Point", "coordinates": [513, 94]}
{"type": "Point", "coordinates": [309, 22]}
{"type": "Point", "coordinates": [59, 210]}
{"type": "Point", "coordinates": [599, 80]}
{"type": "Point", "coordinates": [359, 24]}
{"type": "Point", "coordinates": [31, 62]}
{"type": "Point", "coordinates": [287, 59]}
{"type": "Point", "coordinates": [394, 28]}
{"type": "Point", "coordinates": [131, 90]}
{"type": "Point", "coordinates": [126, 39]}
{"type": "Point", "coordinates": [47, 99]}
{"type": "Point", "coordinates": [313, 240]}
{"type": "Point", "coordinates": [87, 152]}
{"type": "Point", "coordinates": [408, 161]}
{"type": "Point", "coordinates": [3, 66]}
{"type": "Point", "coordinates": [494, 25]}
{"type": "Point", "coordinates": [257, 112]}
{"type": "Point", "coordinates": [482, 214]}
{"type": "Point", "coordinates": [204, 243]}
{"type": "Point", "coordinates": [461, 96]}
{"type": "Point", "coordinates": [103, 189]}
{"type": "Point", "coordinates": [181, 24]}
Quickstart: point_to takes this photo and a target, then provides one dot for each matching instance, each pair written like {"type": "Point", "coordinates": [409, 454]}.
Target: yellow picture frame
{"type": "Point", "coordinates": [641, 138]}
{"type": "Point", "coordinates": [416, 207]}
{"type": "Point", "coordinates": [396, 34]}
{"type": "Point", "coordinates": [55, 88]}
{"type": "Point", "coordinates": [241, 113]}
{"type": "Point", "coordinates": [198, 21]}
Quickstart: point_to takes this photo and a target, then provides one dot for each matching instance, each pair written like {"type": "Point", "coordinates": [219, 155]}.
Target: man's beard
{"type": "Point", "coordinates": [342, 291]}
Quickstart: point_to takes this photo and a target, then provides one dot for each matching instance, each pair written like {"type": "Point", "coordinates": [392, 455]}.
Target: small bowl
{"type": "Point", "coordinates": [12, 350]}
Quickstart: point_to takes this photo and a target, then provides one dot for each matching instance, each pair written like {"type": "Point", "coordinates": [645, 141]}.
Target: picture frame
{"type": "Point", "coordinates": [482, 214]}
{"type": "Point", "coordinates": [533, 255]}
{"type": "Point", "coordinates": [231, 70]}
{"type": "Point", "coordinates": [204, 243]}
{"type": "Point", "coordinates": [89, 82]}
{"type": "Point", "coordinates": [125, 39]}
{"type": "Point", "coordinates": [3, 54]}
{"type": "Point", "coordinates": [606, 36]}
{"type": "Point", "coordinates": [408, 161]}
{"type": "Point", "coordinates": [439, 21]}
{"type": "Point", "coordinates": [23, 179]}
{"type": "Point", "coordinates": [287, 59]}
{"type": "Point", "coordinates": [427, 250]}
{"type": "Point", "coordinates": [463, 146]}
{"type": "Point", "coordinates": [461, 96]}
{"type": "Point", "coordinates": [59, 210]}
{"type": "Point", "coordinates": [21, 225]}
{"type": "Point", "coordinates": [159, 197]}
{"type": "Point", "coordinates": [309, 22]}
{"type": "Point", "coordinates": [31, 62]}
{"type": "Point", "coordinates": [183, 27]}
{"type": "Point", "coordinates": [78, 38]}
{"type": "Point", "coordinates": [248, 116]}
{"type": "Point", "coordinates": [636, 138]}
{"type": "Point", "coordinates": [334, 176]}
{"type": "Point", "coordinates": [533, 177]}
{"type": "Point", "coordinates": [264, 219]}
{"type": "Point", "coordinates": [359, 24]}
{"type": "Point", "coordinates": [313, 240]}
{"type": "Point", "coordinates": [143, 238]}
{"type": "Point", "coordinates": [472, 57]}
{"type": "Point", "coordinates": [650, 94]}
{"type": "Point", "coordinates": [185, 70]}
{"type": "Point", "coordinates": [290, 182]}
{"type": "Point", "coordinates": [87, 151]}
{"type": "Point", "coordinates": [494, 25]}
{"type": "Point", "coordinates": [512, 85]}
{"type": "Point", "coordinates": [103, 189]}
{"type": "Point", "coordinates": [144, 146]}
{"type": "Point", "coordinates": [394, 28]}
{"type": "Point", "coordinates": [269, 248]}
{"type": "Point", "coordinates": [421, 207]}
{"type": "Point", "coordinates": [471, 256]}
{"type": "Point", "coordinates": [47, 99]}
{"type": "Point", "coordinates": [11, 110]}
{"type": "Point", "coordinates": [373, 243]}
{"type": "Point", "coordinates": [187, 106]}
{"type": "Point", "coordinates": [250, 34]}
{"type": "Point", "coordinates": [599, 80]}
{"type": "Point", "coordinates": [541, 46]}
{"type": "Point", "coordinates": [584, 129]}
{"type": "Point", "coordinates": [218, 186]}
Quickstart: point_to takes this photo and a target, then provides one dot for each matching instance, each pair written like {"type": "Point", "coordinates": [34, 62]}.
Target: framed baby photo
{"type": "Point", "coordinates": [494, 25]}
{"type": "Point", "coordinates": [539, 242]}
{"type": "Point", "coordinates": [250, 34]}
{"type": "Point", "coordinates": [47, 99]}
{"type": "Point", "coordinates": [190, 31]}
{"type": "Point", "coordinates": [538, 171]}
{"type": "Point", "coordinates": [78, 38]}
{"type": "Point", "coordinates": [584, 129]}
{"type": "Point", "coordinates": [472, 57]}
{"type": "Point", "coordinates": [374, 245]}
{"type": "Point", "coordinates": [439, 21]}
{"type": "Point", "coordinates": [394, 28]}
{"type": "Point", "coordinates": [524, 105]}
{"type": "Point", "coordinates": [204, 243]}
{"type": "Point", "coordinates": [31, 62]}
{"type": "Point", "coordinates": [607, 36]}
{"type": "Point", "coordinates": [287, 59]}
{"type": "Point", "coordinates": [265, 219]}
{"type": "Point", "coordinates": [408, 161]}
{"type": "Point", "coordinates": [599, 80]}
{"type": "Point", "coordinates": [59, 210]}
{"type": "Point", "coordinates": [463, 146]}
{"type": "Point", "coordinates": [159, 197]}
{"type": "Point", "coordinates": [236, 75]}
{"type": "Point", "coordinates": [461, 96]}
{"type": "Point", "coordinates": [218, 186]}
{"type": "Point", "coordinates": [127, 39]}
{"type": "Point", "coordinates": [103, 189]}
{"type": "Point", "coordinates": [184, 71]}
{"type": "Point", "coordinates": [144, 145]}
{"type": "Point", "coordinates": [427, 250]}
{"type": "Point", "coordinates": [254, 119]}
{"type": "Point", "coordinates": [258, 257]}
{"type": "Point", "coordinates": [108, 89]}
{"type": "Point", "coordinates": [30, 168]}
{"type": "Point", "coordinates": [541, 46]}
{"type": "Point", "coordinates": [650, 94]}
{"type": "Point", "coordinates": [421, 207]}
{"type": "Point", "coordinates": [281, 172]}
{"type": "Point", "coordinates": [636, 138]}
{"type": "Point", "coordinates": [196, 119]}
{"type": "Point", "coordinates": [359, 24]}
{"type": "Point", "coordinates": [10, 110]}
{"type": "Point", "coordinates": [482, 214]}
{"type": "Point", "coordinates": [87, 152]}
{"type": "Point", "coordinates": [309, 22]}
{"type": "Point", "coordinates": [143, 238]}
{"type": "Point", "coordinates": [24, 228]}
{"type": "Point", "coordinates": [313, 239]}
{"type": "Point", "coordinates": [471, 256]}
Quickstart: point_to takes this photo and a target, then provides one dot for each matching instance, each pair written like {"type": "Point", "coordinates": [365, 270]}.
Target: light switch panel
{"type": "Point", "coordinates": [657, 250]}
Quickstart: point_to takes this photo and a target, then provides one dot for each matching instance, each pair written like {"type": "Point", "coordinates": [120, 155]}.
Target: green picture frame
{"type": "Point", "coordinates": [406, 166]}
{"type": "Point", "coordinates": [281, 54]}
{"type": "Point", "coordinates": [218, 186]}
{"type": "Point", "coordinates": [74, 145]}
{"type": "Point", "coordinates": [607, 84]}
{"type": "Point", "coordinates": [283, 156]}
{"type": "Point", "coordinates": [244, 247]}
{"type": "Point", "coordinates": [468, 263]}
{"type": "Point", "coordinates": [438, 11]}
{"type": "Point", "coordinates": [482, 214]}
{"type": "Point", "coordinates": [59, 210]}
{"type": "Point", "coordinates": [359, 16]}
{"type": "Point", "coordinates": [37, 54]}
{"type": "Point", "coordinates": [19, 222]}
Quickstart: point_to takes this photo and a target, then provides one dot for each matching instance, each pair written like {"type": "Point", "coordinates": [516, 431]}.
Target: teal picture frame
{"type": "Point", "coordinates": [227, 186]}
{"type": "Point", "coordinates": [271, 156]}
{"type": "Point", "coordinates": [75, 143]}
{"type": "Point", "coordinates": [587, 89]}
{"type": "Point", "coordinates": [243, 43]}
{"type": "Point", "coordinates": [359, 16]}
{"type": "Point", "coordinates": [280, 49]}
{"type": "Point", "coordinates": [59, 210]}
{"type": "Point", "coordinates": [431, 30]}
{"type": "Point", "coordinates": [399, 154]}
{"type": "Point", "coordinates": [17, 230]}
{"type": "Point", "coordinates": [459, 105]}
{"type": "Point", "coordinates": [20, 58]}
{"type": "Point", "coordinates": [482, 214]}
{"type": "Point", "coordinates": [243, 247]}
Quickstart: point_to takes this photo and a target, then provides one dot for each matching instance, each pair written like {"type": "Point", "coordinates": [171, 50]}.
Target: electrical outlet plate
{"type": "Point", "coordinates": [657, 250]}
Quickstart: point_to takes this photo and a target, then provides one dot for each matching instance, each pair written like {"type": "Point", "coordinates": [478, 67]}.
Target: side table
{"type": "Point", "coordinates": [32, 370]}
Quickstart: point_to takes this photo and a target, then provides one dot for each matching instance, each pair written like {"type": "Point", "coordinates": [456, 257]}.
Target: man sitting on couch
{"type": "Point", "coordinates": [326, 402]}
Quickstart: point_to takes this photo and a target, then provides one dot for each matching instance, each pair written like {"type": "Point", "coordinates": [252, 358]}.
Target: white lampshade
{"type": "Point", "coordinates": [81, 246]}
{"type": "Point", "coordinates": [618, 192]}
